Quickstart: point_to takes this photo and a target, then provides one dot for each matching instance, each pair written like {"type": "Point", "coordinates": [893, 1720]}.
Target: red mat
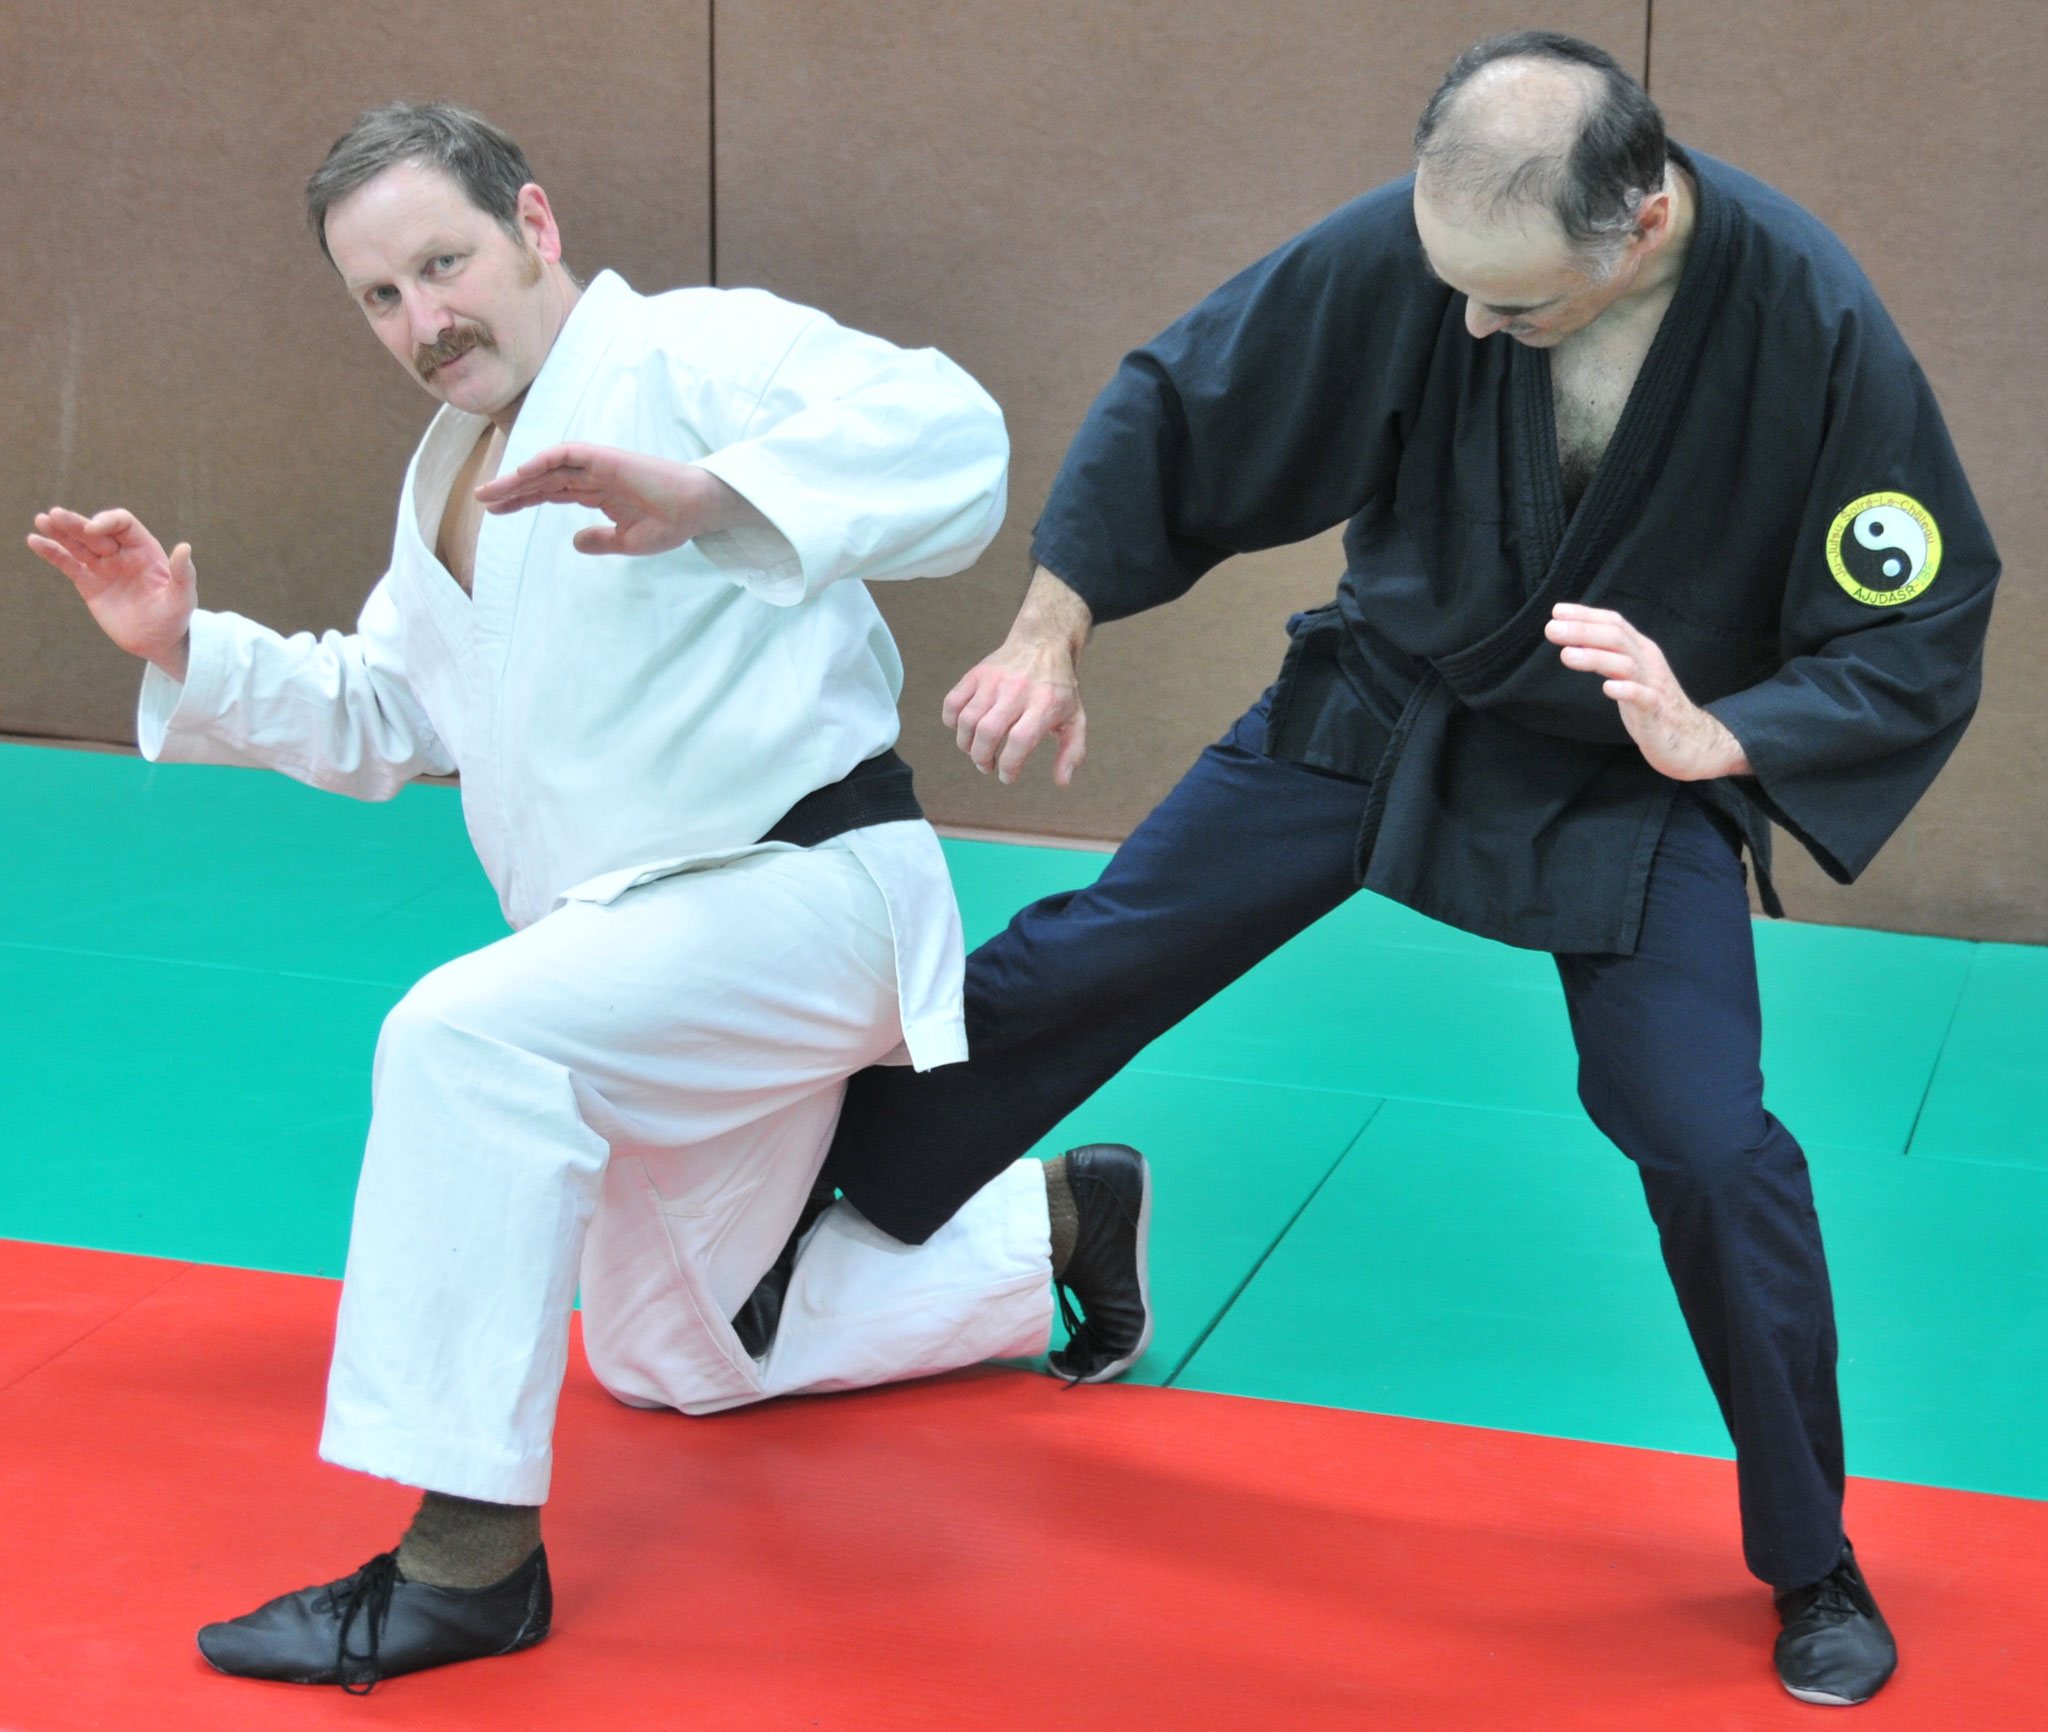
{"type": "Point", "coordinates": [987, 1551]}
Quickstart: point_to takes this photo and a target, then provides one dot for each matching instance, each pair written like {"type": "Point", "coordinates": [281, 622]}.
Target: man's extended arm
{"type": "Point", "coordinates": [336, 711]}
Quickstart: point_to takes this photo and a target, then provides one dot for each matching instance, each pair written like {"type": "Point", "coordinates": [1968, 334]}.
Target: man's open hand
{"type": "Point", "coordinates": [142, 597]}
{"type": "Point", "coordinates": [654, 504]}
{"type": "Point", "coordinates": [1030, 688]}
{"type": "Point", "coordinates": [1679, 739]}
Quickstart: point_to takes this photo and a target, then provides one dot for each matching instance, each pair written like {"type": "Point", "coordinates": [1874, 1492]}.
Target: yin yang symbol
{"type": "Point", "coordinates": [1884, 549]}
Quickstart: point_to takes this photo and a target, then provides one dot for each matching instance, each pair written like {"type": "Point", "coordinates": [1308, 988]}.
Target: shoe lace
{"type": "Point", "coordinates": [1833, 1599]}
{"type": "Point", "coordinates": [368, 1591]}
{"type": "Point", "coordinates": [1832, 1595]}
{"type": "Point", "coordinates": [1078, 1334]}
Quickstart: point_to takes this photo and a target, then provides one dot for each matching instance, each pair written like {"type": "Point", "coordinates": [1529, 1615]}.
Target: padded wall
{"type": "Point", "coordinates": [1915, 133]}
{"type": "Point", "coordinates": [1031, 186]}
{"type": "Point", "coordinates": [1035, 188]}
{"type": "Point", "coordinates": [174, 341]}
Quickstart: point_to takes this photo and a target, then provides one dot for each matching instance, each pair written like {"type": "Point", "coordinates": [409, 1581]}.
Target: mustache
{"type": "Point", "coordinates": [429, 358]}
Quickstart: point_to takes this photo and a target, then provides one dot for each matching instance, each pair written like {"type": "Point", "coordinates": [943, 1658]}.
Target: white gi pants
{"type": "Point", "coordinates": [644, 1091]}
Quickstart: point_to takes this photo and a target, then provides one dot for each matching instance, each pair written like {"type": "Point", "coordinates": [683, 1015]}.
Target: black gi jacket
{"type": "Point", "coordinates": [1780, 509]}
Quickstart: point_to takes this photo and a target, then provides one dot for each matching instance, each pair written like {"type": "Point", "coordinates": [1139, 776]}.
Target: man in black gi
{"type": "Point", "coordinates": [1655, 538]}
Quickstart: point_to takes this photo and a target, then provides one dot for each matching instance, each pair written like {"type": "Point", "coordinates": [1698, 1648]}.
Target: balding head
{"type": "Point", "coordinates": [1539, 124]}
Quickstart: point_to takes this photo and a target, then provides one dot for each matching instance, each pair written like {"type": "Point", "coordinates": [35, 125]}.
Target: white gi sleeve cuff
{"type": "Point", "coordinates": [783, 562]}
{"type": "Point", "coordinates": [166, 707]}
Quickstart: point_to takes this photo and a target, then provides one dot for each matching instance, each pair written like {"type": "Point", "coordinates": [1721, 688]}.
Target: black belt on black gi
{"type": "Point", "coordinates": [875, 792]}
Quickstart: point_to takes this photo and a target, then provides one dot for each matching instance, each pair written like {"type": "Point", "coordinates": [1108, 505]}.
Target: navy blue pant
{"type": "Point", "coordinates": [1245, 853]}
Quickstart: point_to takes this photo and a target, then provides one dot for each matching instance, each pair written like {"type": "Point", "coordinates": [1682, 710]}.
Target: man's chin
{"type": "Point", "coordinates": [473, 398]}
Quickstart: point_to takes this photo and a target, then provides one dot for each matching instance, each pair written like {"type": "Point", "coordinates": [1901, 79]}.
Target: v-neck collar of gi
{"type": "Point", "coordinates": [1574, 544]}
{"type": "Point", "coordinates": [551, 402]}
{"type": "Point", "coordinates": [565, 375]}
{"type": "Point", "coordinates": [1659, 387]}
{"type": "Point", "coordinates": [450, 437]}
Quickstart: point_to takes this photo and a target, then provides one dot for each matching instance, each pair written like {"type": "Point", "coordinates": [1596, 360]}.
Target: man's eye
{"type": "Point", "coordinates": [446, 262]}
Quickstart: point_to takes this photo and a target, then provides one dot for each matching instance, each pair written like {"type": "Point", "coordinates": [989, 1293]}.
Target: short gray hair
{"type": "Point", "coordinates": [1594, 181]}
{"type": "Point", "coordinates": [483, 161]}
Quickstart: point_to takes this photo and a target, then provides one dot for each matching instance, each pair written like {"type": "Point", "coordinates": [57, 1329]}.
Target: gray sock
{"type": "Point", "coordinates": [456, 1542]}
{"type": "Point", "coordinates": [1064, 1212]}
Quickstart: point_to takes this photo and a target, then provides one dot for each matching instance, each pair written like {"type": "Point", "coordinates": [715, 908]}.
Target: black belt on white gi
{"type": "Point", "coordinates": [875, 792]}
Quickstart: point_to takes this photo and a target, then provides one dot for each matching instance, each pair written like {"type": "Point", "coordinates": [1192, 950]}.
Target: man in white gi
{"type": "Point", "coordinates": [672, 705]}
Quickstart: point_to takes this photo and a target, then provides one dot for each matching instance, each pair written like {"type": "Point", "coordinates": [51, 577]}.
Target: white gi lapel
{"type": "Point", "coordinates": [545, 418]}
{"type": "Point", "coordinates": [450, 437]}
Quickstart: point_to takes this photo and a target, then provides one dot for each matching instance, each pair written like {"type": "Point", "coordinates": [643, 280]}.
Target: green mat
{"type": "Point", "coordinates": [1989, 1097]}
{"type": "Point", "coordinates": [1500, 1269]}
{"type": "Point", "coordinates": [1376, 1188]}
{"type": "Point", "coordinates": [1485, 1267]}
{"type": "Point", "coordinates": [233, 868]}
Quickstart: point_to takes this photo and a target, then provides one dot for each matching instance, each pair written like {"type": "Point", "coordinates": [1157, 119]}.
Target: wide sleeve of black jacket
{"type": "Point", "coordinates": [1268, 414]}
{"type": "Point", "coordinates": [1885, 606]}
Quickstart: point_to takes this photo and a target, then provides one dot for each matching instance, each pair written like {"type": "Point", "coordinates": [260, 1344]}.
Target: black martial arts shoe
{"type": "Point", "coordinates": [1835, 1648]}
{"type": "Point", "coordinates": [375, 1625]}
{"type": "Point", "coordinates": [1107, 1274]}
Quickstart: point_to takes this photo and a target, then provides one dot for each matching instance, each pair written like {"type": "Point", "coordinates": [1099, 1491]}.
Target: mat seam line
{"type": "Point", "coordinates": [192, 962]}
{"type": "Point", "coordinates": [1941, 1048]}
{"type": "Point", "coordinates": [1251, 1275]}
{"type": "Point", "coordinates": [420, 895]}
{"type": "Point", "coordinates": [1383, 1096]}
{"type": "Point", "coordinates": [178, 1274]}
{"type": "Point", "coordinates": [1182, 1075]}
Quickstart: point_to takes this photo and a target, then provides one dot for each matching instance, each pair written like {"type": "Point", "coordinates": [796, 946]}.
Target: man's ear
{"type": "Point", "coordinates": [535, 218]}
{"type": "Point", "coordinates": [1659, 212]}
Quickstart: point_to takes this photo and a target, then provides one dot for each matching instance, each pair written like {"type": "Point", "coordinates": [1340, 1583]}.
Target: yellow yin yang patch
{"type": "Point", "coordinates": [1884, 548]}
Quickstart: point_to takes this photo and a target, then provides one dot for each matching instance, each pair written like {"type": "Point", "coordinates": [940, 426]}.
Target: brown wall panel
{"type": "Point", "coordinates": [174, 341]}
{"type": "Point", "coordinates": [1031, 186]}
{"type": "Point", "coordinates": [1914, 132]}
{"type": "Point", "coordinates": [1034, 186]}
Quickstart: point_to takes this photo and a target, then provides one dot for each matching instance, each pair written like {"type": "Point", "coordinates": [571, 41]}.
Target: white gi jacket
{"type": "Point", "coordinates": [616, 720]}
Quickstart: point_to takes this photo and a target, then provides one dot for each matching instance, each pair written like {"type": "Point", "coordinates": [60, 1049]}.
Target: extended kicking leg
{"type": "Point", "coordinates": [1242, 855]}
